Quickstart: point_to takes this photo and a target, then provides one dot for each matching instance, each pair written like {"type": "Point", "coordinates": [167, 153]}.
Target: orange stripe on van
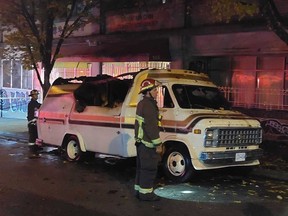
{"type": "Point", "coordinates": [49, 115]}
{"type": "Point", "coordinates": [185, 123]}
{"type": "Point", "coordinates": [91, 118]}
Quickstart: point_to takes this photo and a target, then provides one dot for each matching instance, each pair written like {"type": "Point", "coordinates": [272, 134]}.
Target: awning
{"type": "Point", "coordinates": [141, 50]}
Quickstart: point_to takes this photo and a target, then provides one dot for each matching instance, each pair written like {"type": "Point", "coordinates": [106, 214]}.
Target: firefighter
{"type": "Point", "coordinates": [33, 107]}
{"type": "Point", "coordinates": [148, 143]}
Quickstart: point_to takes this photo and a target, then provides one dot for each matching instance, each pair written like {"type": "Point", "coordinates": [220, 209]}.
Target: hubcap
{"type": "Point", "coordinates": [72, 149]}
{"type": "Point", "coordinates": [176, 164]}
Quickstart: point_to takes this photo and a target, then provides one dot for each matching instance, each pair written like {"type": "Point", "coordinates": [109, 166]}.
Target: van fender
{"type": "Point", "coordinates": [171, 140]}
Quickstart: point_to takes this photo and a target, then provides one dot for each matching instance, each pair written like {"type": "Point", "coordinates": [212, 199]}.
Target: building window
{"type": "Point", "coordinates": [257, 82]}
{"type": "Point", "coordinates": [285, 91]}
{"type": "Point", "coordinates": [117, 68]}
{"type": "Point", "coordinates": [27, 78]}
{"type": "Point", "coordinates": [270, 81]}
{"type": "Point", "coordinates": [7, 75]}
{"type": "Point", "coordinates": [244, 80]}
{"type": "Point", "coordinates": [70, 70]}
{"type": "Point", "coordinates": [14, 76]}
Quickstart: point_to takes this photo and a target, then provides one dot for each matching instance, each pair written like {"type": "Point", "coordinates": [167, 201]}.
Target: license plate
{"type": "Point", "coordinates": [240, 157]}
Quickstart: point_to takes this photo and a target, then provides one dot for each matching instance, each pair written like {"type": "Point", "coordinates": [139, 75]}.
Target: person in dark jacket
{"type": "Point", "coordinates": [148, 141]}
{"type": "Point", "coordinates": [33, 107]}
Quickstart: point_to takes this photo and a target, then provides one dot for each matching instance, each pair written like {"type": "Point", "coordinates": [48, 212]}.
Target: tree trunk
{"type": "Point", "coordinates": [47, 84]}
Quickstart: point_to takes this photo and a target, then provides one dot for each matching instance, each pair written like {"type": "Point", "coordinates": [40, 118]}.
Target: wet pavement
{"type": "Point", "coordinates": [50, 186]}
{"type": "Point", "coordinates": [227, 188]}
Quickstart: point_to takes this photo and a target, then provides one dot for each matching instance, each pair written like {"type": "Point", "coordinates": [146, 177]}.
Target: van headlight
{"type": "Point", "coordinates": [211, 138]}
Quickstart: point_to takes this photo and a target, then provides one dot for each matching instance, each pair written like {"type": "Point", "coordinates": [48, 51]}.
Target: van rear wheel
{"type": "Point", "coordinates": [72, 151]}
{"type": "Point", "coordinates": [177, 164]}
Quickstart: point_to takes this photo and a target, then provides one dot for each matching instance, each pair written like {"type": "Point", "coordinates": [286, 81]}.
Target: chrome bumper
{"type": "Point", "coordinates": [229, 157]}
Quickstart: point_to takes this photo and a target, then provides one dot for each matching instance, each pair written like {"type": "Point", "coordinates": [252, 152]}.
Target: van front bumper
{"type": "Point", "coordinates": [229, 157]}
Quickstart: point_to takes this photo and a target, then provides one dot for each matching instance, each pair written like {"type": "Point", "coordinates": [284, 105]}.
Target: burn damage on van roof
{"type": "Point", "coordinates": [101, 90]}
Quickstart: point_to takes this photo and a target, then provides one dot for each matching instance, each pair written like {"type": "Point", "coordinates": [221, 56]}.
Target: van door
{"type": "Point", "coordinates": [98, 128]}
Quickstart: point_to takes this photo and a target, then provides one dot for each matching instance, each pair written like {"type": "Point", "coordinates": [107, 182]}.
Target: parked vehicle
{"type": "Point", "coordinates": [199, 129]}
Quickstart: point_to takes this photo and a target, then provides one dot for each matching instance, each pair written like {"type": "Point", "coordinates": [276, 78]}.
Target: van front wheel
{"type": "Point", "coordinates": [177, 164]}
{"type": "Point", "coordinates": [72, 151]}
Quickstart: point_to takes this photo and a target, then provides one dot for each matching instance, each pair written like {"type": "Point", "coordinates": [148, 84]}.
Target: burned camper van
{"type": "Point", "coordinates": [199, 129]}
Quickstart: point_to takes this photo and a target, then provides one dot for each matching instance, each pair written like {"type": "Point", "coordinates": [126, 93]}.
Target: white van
{"type": "Point", "coordinates": [199, 129]}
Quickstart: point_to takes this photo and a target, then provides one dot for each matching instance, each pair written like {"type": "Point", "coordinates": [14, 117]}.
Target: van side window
{"type": "Point", "coordinates": [168, 103]}
{"type": "Point", "coordinates": [164, 99]}
{"type": "Point", "coordinates": [181, 96]}
{"type": "Point", "coordinates": [105, 93]}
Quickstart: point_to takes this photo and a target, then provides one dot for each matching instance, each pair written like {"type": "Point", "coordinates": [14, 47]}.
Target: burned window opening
{"type": "Point", "coordinates": [101, 90]}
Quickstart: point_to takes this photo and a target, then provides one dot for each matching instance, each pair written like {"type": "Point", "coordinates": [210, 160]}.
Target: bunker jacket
{"type": "Point", "coordinates": [147, 123]}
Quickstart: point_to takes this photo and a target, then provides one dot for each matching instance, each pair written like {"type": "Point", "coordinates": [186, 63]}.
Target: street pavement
{"type": "Point", "coordinates": [16, 130]}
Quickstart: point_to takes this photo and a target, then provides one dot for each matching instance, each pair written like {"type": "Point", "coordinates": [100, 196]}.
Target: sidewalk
{"type": "Point", "coordinates": [16, 129]}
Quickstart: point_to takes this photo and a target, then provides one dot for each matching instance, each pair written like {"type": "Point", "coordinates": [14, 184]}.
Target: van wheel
{"type": "Point", "coordinates": [72, 151]}
{"type": "Point", "coordinates": [177, 164]}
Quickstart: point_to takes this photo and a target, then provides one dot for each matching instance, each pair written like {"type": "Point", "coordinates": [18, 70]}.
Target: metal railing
{"type": "Point", "coordinates": [268, 99]}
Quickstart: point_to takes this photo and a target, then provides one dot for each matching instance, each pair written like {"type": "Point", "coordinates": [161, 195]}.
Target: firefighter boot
{"type": "Point", "coordinates": [148, 197]}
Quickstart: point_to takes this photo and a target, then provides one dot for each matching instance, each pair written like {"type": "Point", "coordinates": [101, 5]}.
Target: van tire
{"type": "Point", "coordinates": [177, 165]}
{"type": "Point", "coordinates": [72, 150]}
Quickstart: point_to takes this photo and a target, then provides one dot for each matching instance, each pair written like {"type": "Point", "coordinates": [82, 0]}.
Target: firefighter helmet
{"type": "Point", "coordinates": [34, 92]}
{"type": "Point", "coordinates": [148, 84]}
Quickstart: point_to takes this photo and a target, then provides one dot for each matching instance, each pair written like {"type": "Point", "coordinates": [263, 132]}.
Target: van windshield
{"type": "Point", "coordinates": [199, 97]}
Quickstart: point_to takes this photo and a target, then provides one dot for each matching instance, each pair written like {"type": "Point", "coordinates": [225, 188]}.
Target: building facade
{"type": "Point", "coordinates": [246, 59]}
